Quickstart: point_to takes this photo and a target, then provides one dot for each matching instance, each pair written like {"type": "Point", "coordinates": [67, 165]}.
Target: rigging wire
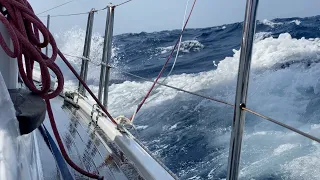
{"type": "Point", "coordinates": [179, 46]}
{"type": "Point", "coordinates": [179, 89]}
{"type": "Point", "coordinates": [60, 5]}
{"type": "Point", "coordinates": [175, 59]}
{"type": "Point", "coordinates": [192, 93]}
{"type": "Point", "coordinates": [166, 63]}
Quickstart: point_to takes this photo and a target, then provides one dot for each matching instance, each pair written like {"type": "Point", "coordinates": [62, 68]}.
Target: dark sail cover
{"type": "Point", "coordinates": [30, 109]}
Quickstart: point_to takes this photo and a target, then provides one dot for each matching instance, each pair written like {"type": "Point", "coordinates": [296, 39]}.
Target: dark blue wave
{"type": "Point", "coordinates": [140, 51]}
{"type": "Point", "coordinates": [144, 54]}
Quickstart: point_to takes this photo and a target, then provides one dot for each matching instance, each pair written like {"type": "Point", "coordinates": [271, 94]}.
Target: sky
{"type": "Point", "coordinates": [156, 15]}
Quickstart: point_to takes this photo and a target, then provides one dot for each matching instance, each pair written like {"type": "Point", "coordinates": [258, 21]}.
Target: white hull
{"type": "Point", "coordinates": [19, 155]}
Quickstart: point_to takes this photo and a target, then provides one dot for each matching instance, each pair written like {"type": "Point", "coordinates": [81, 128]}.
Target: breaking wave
{"type": "Point", "coordinates": [186, 47]}
{"type": "Point", "coordinates": [191, 135]}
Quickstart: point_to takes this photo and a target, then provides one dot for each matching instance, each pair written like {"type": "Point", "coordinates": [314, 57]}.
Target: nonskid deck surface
{"type": "Point", "coordinates": [85, 145]}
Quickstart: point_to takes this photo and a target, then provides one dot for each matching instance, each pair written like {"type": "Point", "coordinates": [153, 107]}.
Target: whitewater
{"type": "Point", "coordinates": [191, 135]}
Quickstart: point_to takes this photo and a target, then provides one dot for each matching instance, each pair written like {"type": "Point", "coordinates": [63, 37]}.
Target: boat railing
{"type": "Point", "coordinates": [239, 106]}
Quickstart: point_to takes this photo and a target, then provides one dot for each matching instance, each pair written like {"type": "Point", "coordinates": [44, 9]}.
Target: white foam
{"type": "Point", "coordinates": [297, 22]}
{"type": "Point", "coordinates": [194, 178]}
{"type": "Point", "coordinates": [270, 23]}
{"type": "Point", "coordinates": [215, 63]}
{"type": "Point", "coordinates": [174, 126]}
{"type": "Point", "coordinates": [186, 47]}
{"type": "Point", "coordinates": [283, 148]}
{"type": "Point", "coordinates": [267, 53]}
{"type": "Point", "coordinates": [273, 91]}
{"type": "Point", "coordinates": [261, 35]}
{"type": "Point", "coordinates": [305, 167]}
{"type": "Point", "coordinates": [72, 43]}
{"type": "Point", "coordinates": [315, 126]}
{"type": "Point", "coordinates": [141, 127]}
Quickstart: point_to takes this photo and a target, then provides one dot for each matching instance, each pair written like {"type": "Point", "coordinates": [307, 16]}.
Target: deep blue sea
{"type": "Point", "coordinates": [190, 134]}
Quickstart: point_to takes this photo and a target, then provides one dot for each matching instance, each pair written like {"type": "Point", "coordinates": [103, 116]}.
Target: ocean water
{"type": "Point", "coordinates": [191, 135]}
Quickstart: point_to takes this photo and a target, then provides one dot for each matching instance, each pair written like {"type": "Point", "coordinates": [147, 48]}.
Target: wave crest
{"type": "Point", "coordinates": [186, 47]}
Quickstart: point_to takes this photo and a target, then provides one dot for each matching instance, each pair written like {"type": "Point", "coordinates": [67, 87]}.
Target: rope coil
{"type": "Point", "coordinates": [24, 29]}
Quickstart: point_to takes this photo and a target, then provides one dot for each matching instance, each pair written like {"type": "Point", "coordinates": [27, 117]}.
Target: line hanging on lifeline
{"type": "Point", "coordinates": [165, 64]}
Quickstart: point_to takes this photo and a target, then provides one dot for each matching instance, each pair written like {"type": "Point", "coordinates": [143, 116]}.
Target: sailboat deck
{"type": "Point", "coordinates": [86, 145]}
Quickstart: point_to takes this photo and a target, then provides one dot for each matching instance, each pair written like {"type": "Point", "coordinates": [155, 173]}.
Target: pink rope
{"type": "Point", "coordinates": [165, 64]}
{"type": "Point", "coordinates": [24, 29]}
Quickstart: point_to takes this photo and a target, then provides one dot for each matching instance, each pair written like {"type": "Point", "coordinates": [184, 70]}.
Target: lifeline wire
{"type": "Point", "coordinates": [123, 3]}
{"type": "Point", "coordinates": [219, 101]}
{"type": "Point", "coordinates": [76, 14]}
{"type": "Point", "coordinates": [199, 95]}
{"type": "Point", "coordinates": [178, 89]}
{"type": "Point", "coordinates": [65, 15]}
{"type": "Point", "coordinates": [230, 104]}
{"type": "Point", "coordinates": [56, 7]}
{"type": "Point", "coordinates": [80, 57]}
{"type": "Point", "coordinates": [82, 13]}
{"type": "Point", "coordinates": [282, 124]}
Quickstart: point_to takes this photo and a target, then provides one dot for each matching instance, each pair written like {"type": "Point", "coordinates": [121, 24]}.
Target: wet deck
{"type": "Point", "coordinates": [85, 143]}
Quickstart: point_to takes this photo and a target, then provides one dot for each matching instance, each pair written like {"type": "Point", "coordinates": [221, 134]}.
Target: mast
{"type": "Point", "coordinates": [249, 26]}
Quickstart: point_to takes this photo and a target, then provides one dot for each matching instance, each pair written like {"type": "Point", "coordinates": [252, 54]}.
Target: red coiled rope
{"type": "Point", "coordinates": [165, 64]}
{"type": "Point", "coordinates": [24, 29]}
